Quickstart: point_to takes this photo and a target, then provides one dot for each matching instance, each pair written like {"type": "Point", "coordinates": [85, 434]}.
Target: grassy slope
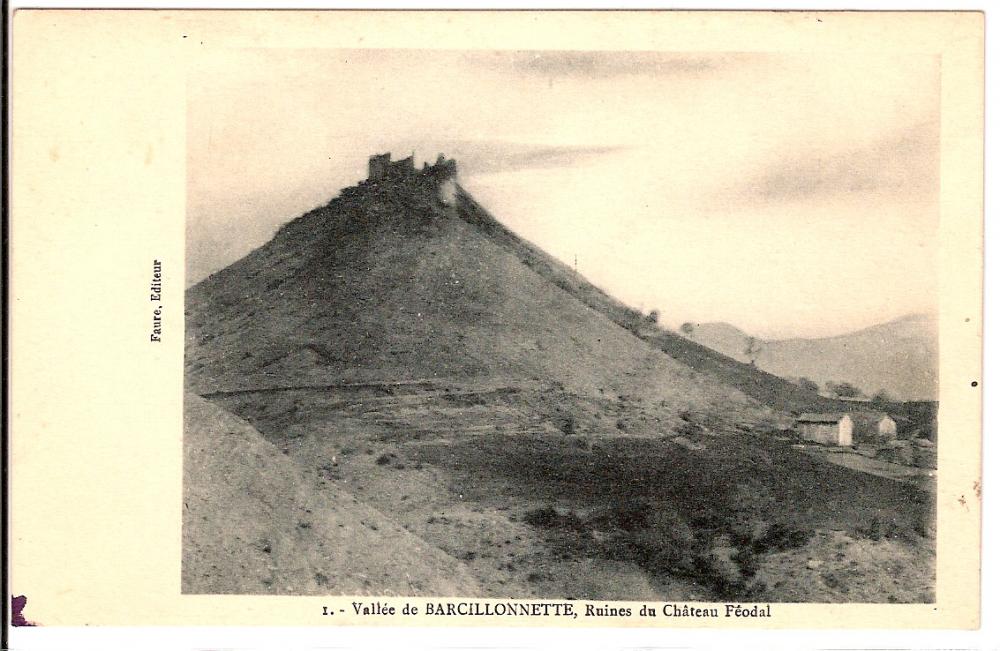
{"type": "Point", "coordinates": [254, 524]}
{"type": "Point", "coordinates": [464, 476]}
{"type": "Point", "coordinates": [765, 387]}
{"type": "Point", "coordinates": [378, 444]}
{"type": "Point", "coordinates": [719, 479]}
{"type": "Point", "coordinates": [400, 288]}
{"type": "Point", "coordinates": [734, 479]}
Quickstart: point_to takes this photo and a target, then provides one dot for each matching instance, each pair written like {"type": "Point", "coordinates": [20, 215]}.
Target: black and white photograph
{"type": "Point", "coordinates": [518, 328]}
{"type": "Point", "coordinates": [600, 325]}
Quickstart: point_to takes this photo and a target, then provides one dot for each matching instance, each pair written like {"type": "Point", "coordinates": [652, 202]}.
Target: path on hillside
{"type": "Point", "coordinates": [923, 478]}
{"type": "Point", "coordinates": [411, 410]}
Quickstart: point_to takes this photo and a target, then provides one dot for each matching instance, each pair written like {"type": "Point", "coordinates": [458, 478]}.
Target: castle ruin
{"type": "Point", "coordinates": [385, 173]}
{"type": "Point", "coordinates": [381, 167]}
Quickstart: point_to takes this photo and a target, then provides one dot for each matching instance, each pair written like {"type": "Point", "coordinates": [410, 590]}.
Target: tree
{"type": "Point", "coordinates": [843, 389]}
{"type": "Point", "coordinates": [807, 384]}
{"type": "Point", "coordinates": [653, 316]}
{"type": "Point", "coordinates": [882, 397]}
{"type": "Point", "coordinates": [633, 320]}
{"type": "Point", "coordinates": [687, 328]}
{"type": "Point", "coordinates": [752, 349]}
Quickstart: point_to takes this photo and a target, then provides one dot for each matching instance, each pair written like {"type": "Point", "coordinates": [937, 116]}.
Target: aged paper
{"type": "Point", "coordinates": [411, 407]}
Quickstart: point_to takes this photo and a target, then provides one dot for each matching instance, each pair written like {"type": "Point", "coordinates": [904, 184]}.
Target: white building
{"type": "Point", "coordinates": [846, 428]}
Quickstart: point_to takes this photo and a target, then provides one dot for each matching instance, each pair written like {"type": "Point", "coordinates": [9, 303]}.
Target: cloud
{"type": "Point", "coordinates": [903, 166]}
{"type": "Point", "coordinates": [498, 156]}
{"type": "Point", "coordinates": [613, 64]}
{"type": "Point", "coordinates": [596, 64]}
{"type": "Point", "coordinates": [493, 156]}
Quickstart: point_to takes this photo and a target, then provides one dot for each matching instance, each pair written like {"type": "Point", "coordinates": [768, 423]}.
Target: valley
{"type": "Point", "coordinates": [460, 414]}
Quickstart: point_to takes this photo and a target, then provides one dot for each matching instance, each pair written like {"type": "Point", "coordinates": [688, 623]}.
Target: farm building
{"type": "Point", "coordinates": [846, 428]}
{"type": "Point", "coordinates": [873, 427]}
{"type": "Point", "coordinates": [828, 429]}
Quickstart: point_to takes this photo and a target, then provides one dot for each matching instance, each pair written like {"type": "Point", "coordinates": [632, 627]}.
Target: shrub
{"type": "Point", "coordinates": [721, 575]}
{"type": "Point", "coordinates": [689, 429]}
{"type": "Point", "coordinates": [666, 546]}
{"type": "Point", "coordinates": [746, 506]}
{"type": "Point", "coordinates": [747, 560]}
{"type": "Point", "coordinates": [843, 390]}
{"type": "Point", "coordinates": [658, 538]}
{"type": "Point", "coordinates": [327, 471]}
{"type": "Point", "coordinates": [631, 515]}
{"type": "Point", "coordinates": [632, 314]}
{"type": "Point", "coordinates": [884, 527]}
{"type": "Point", "coordinates": [808, 385]}
{"type": "Point", "coordinates": [780, 537]}
{"type": "Point", "coordinates": [549, 518]}
{"type": "Point", "coordinates": [384, 459]}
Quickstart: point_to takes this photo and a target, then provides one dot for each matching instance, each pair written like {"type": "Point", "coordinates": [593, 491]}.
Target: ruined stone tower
{"type": "Point", "coordinates": [442, 174]}
{"type": "Point", "coordinates": [382, 167]}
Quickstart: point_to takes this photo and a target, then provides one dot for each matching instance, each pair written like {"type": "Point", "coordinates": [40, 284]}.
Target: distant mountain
{"type": "Point", "coordinates": [722, 337]}
{"type": "Point", "coordinates": [900, 357]}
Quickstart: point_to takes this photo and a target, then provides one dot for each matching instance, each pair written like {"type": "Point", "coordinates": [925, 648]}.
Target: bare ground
{"type": "Point", "coordinates": [465, 472]}
{"type": "Point", "coordinates": [254, 525]}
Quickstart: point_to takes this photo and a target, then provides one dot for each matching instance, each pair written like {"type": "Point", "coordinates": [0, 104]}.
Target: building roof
{"type": "Point", "coordinates": [820, 418]}
{"type": "Point", "coordinates": [859, 417]}
{"type": "Point", "coordinates": [867, 418]}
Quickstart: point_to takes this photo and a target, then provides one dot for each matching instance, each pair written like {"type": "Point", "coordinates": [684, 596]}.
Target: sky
{"type": "Point", "coordinates": [789, 195]}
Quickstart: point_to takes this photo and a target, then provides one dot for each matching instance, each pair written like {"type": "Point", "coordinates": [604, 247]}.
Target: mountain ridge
{"type": "Point", "coordinates": [389, 282]}
{"type": "Point", "coordinates": [898, 356]}
{"type": "Point", "coordinates": [911, 317]}
{"type": "Point", "coordinates": [349, 217]}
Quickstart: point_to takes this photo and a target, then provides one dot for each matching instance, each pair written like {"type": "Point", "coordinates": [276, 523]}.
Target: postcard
{"type": "Point", "coordinates": [474, 318]}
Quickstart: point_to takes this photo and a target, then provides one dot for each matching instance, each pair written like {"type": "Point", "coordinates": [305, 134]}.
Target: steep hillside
{"type": "Point", "coordinates": [398, 351]}
{"type": "Point", "coordinates": [899, 356]}
{"type": "Point", "coordinates": [391, 284]}
{"type": "Point", "coordinates": [767, 388]}
{"type": "Point", "coordinates": [253, 524]}
{"type": "Point", "coordinates": [722, 337]}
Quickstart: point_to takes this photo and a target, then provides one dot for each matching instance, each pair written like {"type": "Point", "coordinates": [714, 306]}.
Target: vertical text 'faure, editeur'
{"type": "Point", "coordinates": [155, 290]}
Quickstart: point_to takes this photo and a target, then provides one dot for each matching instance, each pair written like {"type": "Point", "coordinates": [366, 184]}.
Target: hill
{"type": "Point", "coordinates": [253, 524]}
{"type": "Point", "coordinates": [899, 357]}
{"type": "Point", "coordinates": [400, 348]}
{"type": "Point", "coordinates": [391, 284]}
{"type": "Point", "coordinates": [722, 337]}
{"type": "Point", "coordinates": [765, 388]}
